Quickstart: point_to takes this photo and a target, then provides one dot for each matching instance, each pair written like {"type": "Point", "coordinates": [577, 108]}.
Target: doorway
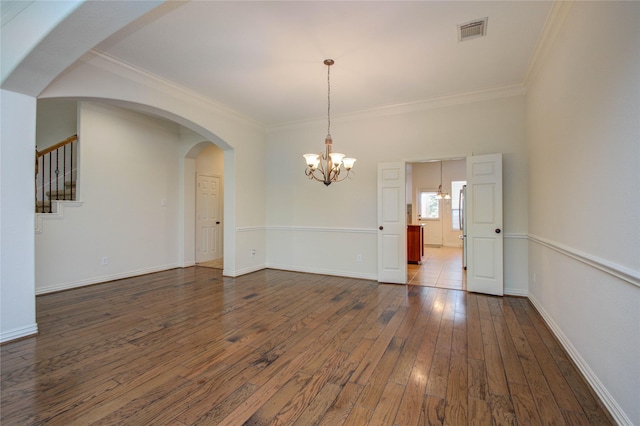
{"type": "Point", "coordinates": [441, 268]}
{"type": "Point", "coordinates": [433, 200]}
{"type": "Point", "coordinates": [483, 237]}
{"type": "Point", "coordinates": [439, 215]}
{"type": "Point", "coordinates": [208, 220]}
{"type": "Point", "coordinates": [209, 200]}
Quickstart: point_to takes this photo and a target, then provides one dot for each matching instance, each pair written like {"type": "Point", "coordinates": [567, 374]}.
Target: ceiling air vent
{"type": "Point", "coordinates": [473, 29]}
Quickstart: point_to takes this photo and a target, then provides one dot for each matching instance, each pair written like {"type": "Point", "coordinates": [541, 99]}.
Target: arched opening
{"type": "Point", "coordinates": [178, 170]}
{"type": "Point", "coordinates": [204, 173]}
{"type": "Point", "coordinates": [201, 138]}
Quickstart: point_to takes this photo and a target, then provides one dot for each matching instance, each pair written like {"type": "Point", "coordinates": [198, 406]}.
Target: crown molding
{"type": "Point", "coordinates": [487, 94]}
{"type": "Point", "coordinates": [555, 22]}
{"type": "Point", "coordinates": [130, 72]}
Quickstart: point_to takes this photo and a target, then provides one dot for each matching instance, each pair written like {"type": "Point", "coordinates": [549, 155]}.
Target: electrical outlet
{"type": "Point", "coordinates": [253, 252]}
{"type": "Point", "coordinates": [105, 260]}
{"type": "Point", "coordinates": [359, 258]}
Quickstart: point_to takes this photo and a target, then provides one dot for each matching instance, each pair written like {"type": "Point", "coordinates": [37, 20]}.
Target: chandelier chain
{"type": "Point", "coordinates": [328, 101]}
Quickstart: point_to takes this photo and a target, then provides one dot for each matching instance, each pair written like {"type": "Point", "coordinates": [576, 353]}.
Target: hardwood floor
{"type": "Point", "coordinates": [187, 347]}
{"type": "Point", "coordinates": [442, 267]}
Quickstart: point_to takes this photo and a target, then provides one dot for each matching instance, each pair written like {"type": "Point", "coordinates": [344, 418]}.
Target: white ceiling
{"type": "Point", "coordinates": [265, 59]}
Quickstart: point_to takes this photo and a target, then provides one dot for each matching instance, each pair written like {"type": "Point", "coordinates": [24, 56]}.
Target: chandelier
{"type": "Point", "coordinates": [327, 166]}
{"type": "Point", "coordinates": [442, 195]}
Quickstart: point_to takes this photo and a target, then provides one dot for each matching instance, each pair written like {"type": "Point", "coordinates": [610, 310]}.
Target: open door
{"type": "Point", "coordinates": [484, 224]}
{"type": "Point", "coordinates": [392, 235]}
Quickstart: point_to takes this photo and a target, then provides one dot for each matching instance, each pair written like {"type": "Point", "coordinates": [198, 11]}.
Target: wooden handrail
{"type": "Point", "coordinates": [52, 148]}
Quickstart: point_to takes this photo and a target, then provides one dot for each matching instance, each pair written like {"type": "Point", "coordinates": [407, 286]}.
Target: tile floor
{"type": "Point", "coordinates": [442, 267]}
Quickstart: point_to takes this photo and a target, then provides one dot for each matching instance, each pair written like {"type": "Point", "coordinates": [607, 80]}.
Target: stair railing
{"type": "Point", "coordinates": [55, 168]}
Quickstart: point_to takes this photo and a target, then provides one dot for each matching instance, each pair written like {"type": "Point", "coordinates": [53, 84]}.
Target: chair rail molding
{"type": "Point", "coordinates": [618, 271]}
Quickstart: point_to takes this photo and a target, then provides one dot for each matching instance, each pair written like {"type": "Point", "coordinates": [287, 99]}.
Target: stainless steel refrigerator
{"type": "Point", "coordinates": [463, 224]}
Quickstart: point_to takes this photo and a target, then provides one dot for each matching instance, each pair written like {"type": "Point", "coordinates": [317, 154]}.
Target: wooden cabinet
{"type": "Point", "coordinates": [415, 243]}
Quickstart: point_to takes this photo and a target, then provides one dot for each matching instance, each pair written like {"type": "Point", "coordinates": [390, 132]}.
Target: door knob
{"type": "Point", "coordinates": [381, 227]}
{"type": "Point", "coordinates": [217, 222]}
{"type": "Point", "coordinates": [498, 230]}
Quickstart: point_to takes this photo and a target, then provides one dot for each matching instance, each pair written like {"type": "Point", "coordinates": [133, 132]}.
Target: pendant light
{"type": "Point", "coordinates": [442, 195]}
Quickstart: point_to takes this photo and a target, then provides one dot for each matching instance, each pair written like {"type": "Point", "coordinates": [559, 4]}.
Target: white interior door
{"type": "Point", "coordinates": [392, 234]}
{"type": "Point", "coordinates": [484, 224]}
{"type": "Point", "coordinates": [208, 242]}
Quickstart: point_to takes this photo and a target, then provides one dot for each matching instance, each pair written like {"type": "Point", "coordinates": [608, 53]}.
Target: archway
{"type": "Point", "coordinates": [192, 143]}
{"type": "Point", "coordinates": [190, 151]}
{"type": "Point", "coordinates": [204, 174]}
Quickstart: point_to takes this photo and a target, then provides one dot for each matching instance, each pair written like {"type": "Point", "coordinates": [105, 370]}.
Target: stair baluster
{"type": "Point", "coordinates": [50, 163]}
{"type": "Point", "coordinates": [46, 205]}
{"type": "Point", "coordinates": [64, 170]}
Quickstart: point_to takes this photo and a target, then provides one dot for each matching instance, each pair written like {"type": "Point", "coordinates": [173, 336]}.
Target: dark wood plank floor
{"type": "Point", "coordinates": [187, 347]}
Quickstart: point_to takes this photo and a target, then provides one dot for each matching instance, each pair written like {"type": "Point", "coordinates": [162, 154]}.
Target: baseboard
{"type": "Point", "coordinates": [610, 403]}
{"type": "Point", "coordinates": [103, 279]}
{"type": "Point", "coordinates": [243, 271]}
{"type": "Point", "coordinates": [19, 333]}
{"type": "Point", "coordinates": [321, 271]}
{"type": "Point", "coordinates": [516, 292]}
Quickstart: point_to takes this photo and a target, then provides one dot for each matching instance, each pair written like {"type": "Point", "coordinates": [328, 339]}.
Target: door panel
{"type": "Point", "coordinates": [208, 218]}
{"type": "Point", "coordinates": [392, 235]}
{"type": "Point", "coordinates": [484, 224]}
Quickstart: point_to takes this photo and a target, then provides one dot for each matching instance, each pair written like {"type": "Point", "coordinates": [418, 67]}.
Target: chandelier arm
{"type": "Point", "coordinates": [334, 175]}
{"type": "Point", "coordinates": [342, 178]}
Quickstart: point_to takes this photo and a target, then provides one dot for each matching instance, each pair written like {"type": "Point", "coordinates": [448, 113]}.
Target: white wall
{"type": "Point", "coordinates": [210, 161]}
{"type": "Point", "coordinates": [330, 226]}
{"type": "Point", "coordinates": [17, 293]}
{"type": "Point", "coordinates": [129, 187]}
{"type": "Point", "coordinates": [583, 130]}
